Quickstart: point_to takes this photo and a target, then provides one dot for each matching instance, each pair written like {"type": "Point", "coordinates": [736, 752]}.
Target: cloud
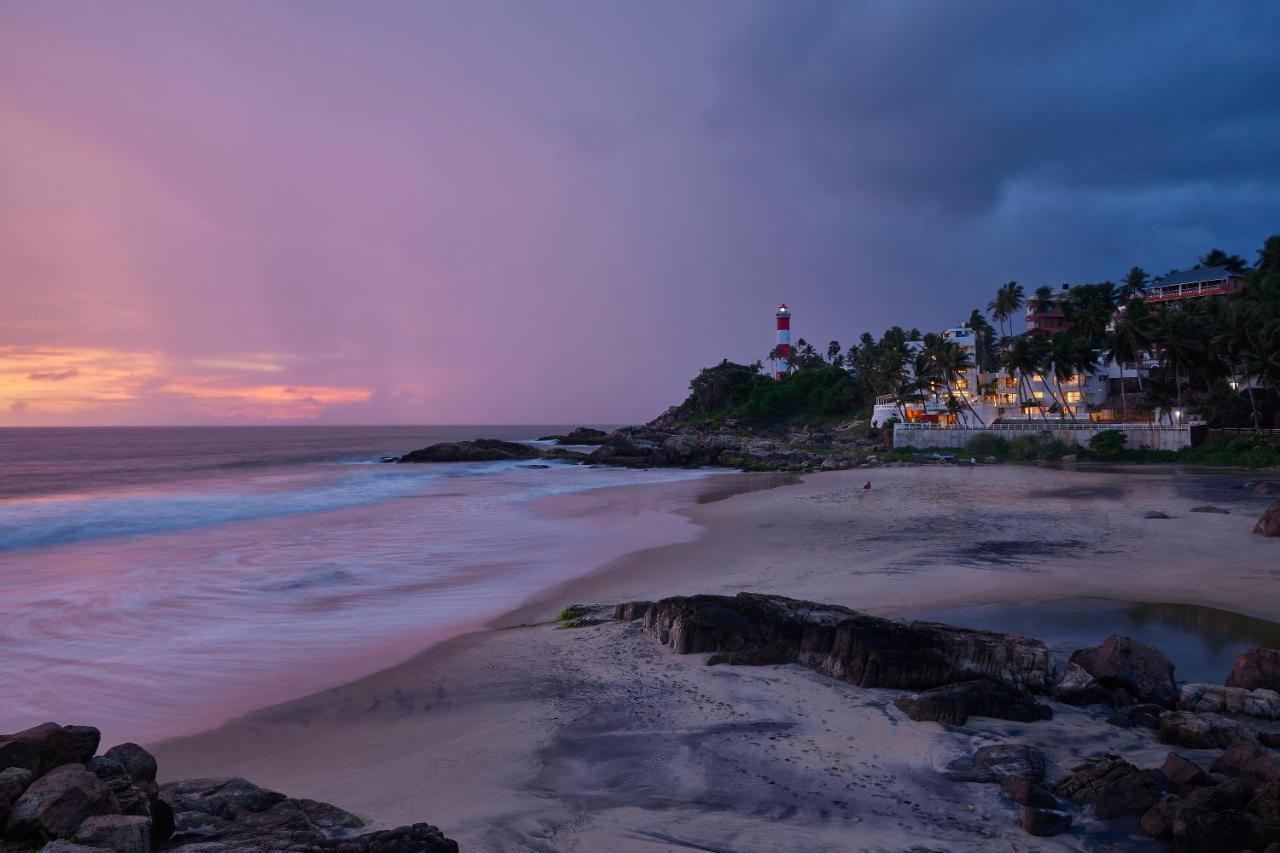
{"type": "Point", "coordinates": [54, 376]}
{"type": "Point", "coordinates": [946, 106]}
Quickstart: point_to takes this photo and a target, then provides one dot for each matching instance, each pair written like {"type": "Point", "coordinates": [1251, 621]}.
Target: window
{"type": "Point", "coordinates": [1073, 396]}
{"type": "Point", "coordinates": [1008, 382]}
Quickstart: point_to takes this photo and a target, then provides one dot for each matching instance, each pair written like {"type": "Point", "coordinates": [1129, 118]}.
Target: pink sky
{"type": "Point", "coordinates": [434, 212]}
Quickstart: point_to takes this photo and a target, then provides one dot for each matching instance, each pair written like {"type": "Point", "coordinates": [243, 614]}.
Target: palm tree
{"type": "Point", "coordinates": [1231, 339]}
{"type": "Point", "coordinates": [1129, 338]}
{"type": "Point", "coordinates": [1023, 359]}
{"type": "Point", "coordinates": [1135, 282]}
{"type": "Point", "coordinates": [1009, 298]}
{"type": "Point", "coordinates": [1219, 258]}
{"type": "Point", "coordinates": [950, 361]}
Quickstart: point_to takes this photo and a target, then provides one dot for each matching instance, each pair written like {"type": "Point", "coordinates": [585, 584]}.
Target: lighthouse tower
{"type": "Point", "coordinates": [783, 365]}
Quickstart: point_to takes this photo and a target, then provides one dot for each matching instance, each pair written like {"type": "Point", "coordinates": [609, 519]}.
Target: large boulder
{"type": "Point", "coordinates": [13, 781]}
{"type": "Point", "coordinates": [132, 799]}
{"type": "Point", "coordinates": [43, 747]}
{"type": "Point", "coordinates": [1214, 820]}
{"type": "Point", "coordinates": [57, 803]}
{"type": "Point", "coordinates": [955, 703]}
{"type": "Point", "coordinates": [1210, 698]}
{"type": "Point", "coordinates": [1113, 786]}
{"type": "Point", "coordinates": [138, 763]}
{"type": "Point", "coordinates": [1250, 762]}
{"type": "Point", "coordinates": [1256, 669]}
{"type": "Point", "coordinates": [1269, 524]}
{"type": "Point", "coordinates": [845, 644]}
{"type": "Point", "coordinates": [117, 833]}
{"type": "Point", "coordinates": [1139, 670]}
{"type": "Point", "coordinates": [1182, 774]}
{"type": "Point", "coordinates": [1200, 731]}
{"type": "Point", "coordinates": [579, 436]}
{"type": "Point", "coordinates": [480, 450]}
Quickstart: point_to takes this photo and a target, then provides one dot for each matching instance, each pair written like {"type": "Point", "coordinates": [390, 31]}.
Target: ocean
{"type": "Point", "coordinates": [157, 581]}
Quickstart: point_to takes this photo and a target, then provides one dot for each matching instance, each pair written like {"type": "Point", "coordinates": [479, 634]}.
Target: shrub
{"type": "Point", "coordinates": [988, 444]}
{"type": "Point", "coordinates": [1108, 444]}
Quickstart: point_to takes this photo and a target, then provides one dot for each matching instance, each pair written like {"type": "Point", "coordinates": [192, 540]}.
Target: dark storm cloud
{"type": "Point", "coordinates": [949, 106]}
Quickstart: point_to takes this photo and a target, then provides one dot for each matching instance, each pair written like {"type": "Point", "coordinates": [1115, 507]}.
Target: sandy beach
{"type": "Point", "coordinates": [525, 736]}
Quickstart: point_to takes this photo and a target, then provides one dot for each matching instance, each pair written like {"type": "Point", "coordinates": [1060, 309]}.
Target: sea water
{"type": "Point", "coordinates": [154, 582]}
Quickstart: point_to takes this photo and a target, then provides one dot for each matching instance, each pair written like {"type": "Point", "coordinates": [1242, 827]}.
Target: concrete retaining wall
{"type": "Point", "coordinates": [1156, 437]}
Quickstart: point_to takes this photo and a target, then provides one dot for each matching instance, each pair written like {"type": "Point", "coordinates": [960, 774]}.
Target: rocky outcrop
{"type": "Point", "coordinates": [1114, 787]}
{"type": "Point", "coordinates": [49, 745]}
{"type": "Point", "coordinates": [578, 436]}
{"type": "Point", "coordinates": [845, 644]}
{"type": "Point", "coordinates": [111, 802]}
{"type": "Point", "coordinates": [1250, 762]}
{"type": "Point", "coordinates": [57, 803]}
{"type": "Point", "coordinates": [1122, 663]}
{"type": "Point", "coordinates": [1183, 774]}
{"type": "Point", "coordinates": [480, 450]}
{"type": "Point", "coordinates": [1200, 731]}
{"type": "Point", "coordinates": [955, 703]}
{"type": "Point", "coordinates": [1256, 669]}
{"type": "Point", "coordinates": [1269, 524]}
{"type": "Point", "coordinates": [1212, 698]}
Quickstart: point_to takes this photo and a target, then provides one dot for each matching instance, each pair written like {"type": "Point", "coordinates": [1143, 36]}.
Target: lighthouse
{"type": "Point", "coordinates": [783, 316]}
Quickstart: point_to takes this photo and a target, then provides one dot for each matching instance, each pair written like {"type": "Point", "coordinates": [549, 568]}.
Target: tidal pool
{"type": "Point", "coordinates": [1201, 641]}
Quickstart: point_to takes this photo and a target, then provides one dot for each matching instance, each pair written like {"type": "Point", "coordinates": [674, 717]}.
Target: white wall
{"type": "Point", "coordinates": [1157, 437]}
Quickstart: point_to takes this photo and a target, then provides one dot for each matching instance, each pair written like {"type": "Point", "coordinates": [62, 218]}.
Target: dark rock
{"type": "Point", "coordinates": [133, 800]}
{"type": "Point", "coordinates": [1145, 715]}
{"type": "Point", "coordinates": [1157, 821]}
{"type": "Point", "coordinates": [581, 435]}
{"type": "Point", "coordinates": [63, 846]}
{"type": "Point", "coordinates": [13, 781]}
{"type": "Point", "coordinates": [1266, 805]}
{"type": "Point", "coordinates": [82, 741]}
{"type": "Point", "coordinates": [162, 822]}
{"type": "Point", "coordinates": [137, 762]}
{"type": "Point", "coordinates": [1025, 792]}
{"type": "Point", "coordinates": [955, 703]}
{"type": "Point", "coordinates": [1078, 687]}
{"type": "Point", "coordinates": [999, 762]}
{"type": "Point", "coordinates": [1044, 821]}
{"type": "Point", "coordinates": [845, 644]}
{"type": "Point", "coordinates": [55, 804]}
{"type": "Point", "coordinates": [1269, 524]}
{"type": "Point", "coordinates": [1250, 762]}
{"type": "Point", "coordinates": [1216, 510]}
{"type": "Point", "coordinates": [1199, 731]}
{"type": "Point", "coordinates": [1114, 787]}
{"type": "Point", "coordinates": [480, 450]}
{"type": "Point", "coordinates": [1256, 668]}
{"type": "Point", "coordinates": [117, 833]}
{"type": "Point", "coordinates": [1155, 515]}
{"type": "Point", "coordinates": [240, 816]}
{"type": "Point", "coordinates": [418, 838]}
{"type": "Point", "coordinates": [629, 611]}
{"type": "Point", "coordinates": [1213, 820]}
{"type": "Point", "coordinates": [1140, 670]}
{"type": "Point", "coordinates": [1183, 774]}
{"type": "Point", "coordinates": [1269, 737]}
{"type": "Point", "coordinates": [48, 745]}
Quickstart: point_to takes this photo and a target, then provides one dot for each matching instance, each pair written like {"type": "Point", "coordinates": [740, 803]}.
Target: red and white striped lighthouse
{"type": "Point", "coordinates": [783, 316]}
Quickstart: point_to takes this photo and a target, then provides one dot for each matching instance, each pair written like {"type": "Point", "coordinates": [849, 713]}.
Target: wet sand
{"type": "Point", "coordinates": [529, 737]}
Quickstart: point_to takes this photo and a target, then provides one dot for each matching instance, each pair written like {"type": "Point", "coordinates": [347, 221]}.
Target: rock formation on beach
{"type": "Point", "coordinates": [673, 446]}
{"type": "Point", "coordinates": [1269, 524]}
{"type": "Point", "coordinates": [1228, 803]}
{"type": "Point", "coordinates": [56, 792]}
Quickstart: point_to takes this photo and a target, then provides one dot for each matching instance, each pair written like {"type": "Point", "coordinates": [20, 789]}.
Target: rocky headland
{"type": "Point", "coordinates": [58, 795]}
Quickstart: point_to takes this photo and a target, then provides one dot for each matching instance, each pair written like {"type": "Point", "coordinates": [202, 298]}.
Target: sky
{"type": "Point", "coordinates": [556, 212]}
